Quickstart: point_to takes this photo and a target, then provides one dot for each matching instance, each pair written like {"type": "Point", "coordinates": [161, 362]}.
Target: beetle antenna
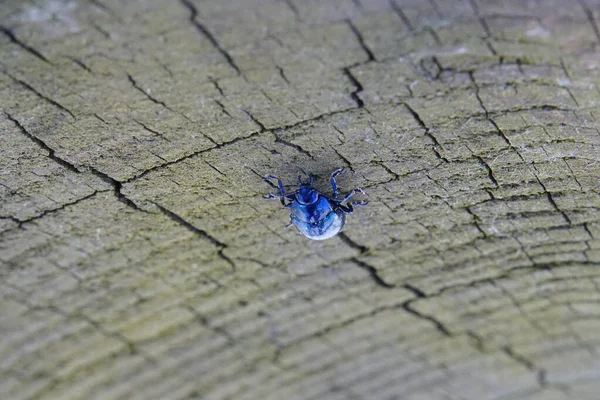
{"type": "Point", "coordinates": [310, 179]}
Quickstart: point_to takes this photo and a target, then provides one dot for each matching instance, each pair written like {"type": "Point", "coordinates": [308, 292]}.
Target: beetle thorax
{"type": "Point", "coordinates": [307, 195]}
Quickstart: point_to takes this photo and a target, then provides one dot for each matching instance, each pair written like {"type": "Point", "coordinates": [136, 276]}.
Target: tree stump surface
{"type": "Point", "coordinates": [138, 259]}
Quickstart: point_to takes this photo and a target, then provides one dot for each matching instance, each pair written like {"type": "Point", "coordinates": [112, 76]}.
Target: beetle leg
{"type": "Point", "coordinates": [282, 195]}
{"type": "Point", "coordinates": [334, 174]}
{"type": "Point", "coordinates": [289, 196]}
{"type": "Point", "coordinates": [279, 184]}
{"type": "Point", "coordinates": [349, 208]}
{"type": "Point", "coordinates": [352, 193]}
{"type": "Point", "coordinates": [271, 196]}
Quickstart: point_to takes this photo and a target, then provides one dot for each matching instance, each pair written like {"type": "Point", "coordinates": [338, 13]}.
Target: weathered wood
{"type": "Point", "coordinates": [139, 261]}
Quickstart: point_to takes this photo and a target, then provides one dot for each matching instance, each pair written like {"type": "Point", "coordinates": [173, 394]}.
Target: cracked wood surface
{"type": "Point", "coordinates": [139, 261]}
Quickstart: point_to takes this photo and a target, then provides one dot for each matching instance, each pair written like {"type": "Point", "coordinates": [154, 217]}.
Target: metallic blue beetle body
{"type": "Point", "coordinates": [316, 215]}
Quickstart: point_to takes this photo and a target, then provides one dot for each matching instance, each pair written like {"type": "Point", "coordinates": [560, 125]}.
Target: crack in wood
{"type": "Point", "coordinates": [481, 19]}
{"type": "Point", "coordinates": [355, 94]}
{"type": "Point", "coordinates": [11, 36]}
{"type": "Point", "coordinates": [208, 35]}
{"type": "Point", "coordinates": [396, 8]}
{"type": "Point", "coordinates": [200, 232]}
{"type": "Point", "coordinates": [439, 326]}
{"type": "Point", "coordinates": [62, 207]}
{"type": "Point", "coordinates": [192, 155]}
{"type": "Point", "coordinates": [428, 133]}
{"type": "Point", "coordinates": [117, 186]}
{"type": "Point", "coordinates": [431, 236]}
{"type": "Point", "coordinates": [294, 146]}
{"type": "Point", "coordinates": [282, 74]}
{"type": "Point", "coordinates": [361, 41]}
{"type": "Point", "coordinates": [373, 273]}
{"type": "Point", "coordinates": [590, 17]}
{"type": "Point", "coordinates": [40, 95]}
{"type": "Point", "coordinates": [43, 145]}
{"type": "Point", "coordinates": [146, 93]}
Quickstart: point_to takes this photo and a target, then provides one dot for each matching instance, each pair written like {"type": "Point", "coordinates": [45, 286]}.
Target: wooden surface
{"type": "Point", "coordinates": [138, 259]}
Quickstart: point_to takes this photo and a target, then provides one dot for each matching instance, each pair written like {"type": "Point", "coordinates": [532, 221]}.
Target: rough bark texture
{"type": "Point", "coordinates": [138, 259]}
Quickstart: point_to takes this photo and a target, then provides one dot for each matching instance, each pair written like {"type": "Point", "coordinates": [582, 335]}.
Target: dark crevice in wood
{"type": "Point", "coordinates": [200, 232]}
{"type": "Point", "coordinates": [194, 154]}
{"type": "Point", "coordinates": [256, 121]}
{"type": "Point", "coordinates": [145, 93]}
{"type": "Point", "coordinates": [297, 147]}
{"type": "Point", "coordinates": [428, 133]}
{"type": "Point", "coordinates": [11, 36]}
{"type": "Point", "coordinates": [396, 8]}
{"type": "Point", "coordinates": [282, 74]}
{"type": "Point", "coordinates": [359, 88]}
{"type": "Point", "coordinates": [590, 17]}
{"type": "Point", "coordinates": [361, 41]}
{"type": "Point", "coordinates": [481, 19]}
{"type": "Point", "coordinates": [208, 35]}
{"type": "Point", "coordinates": [43, 145]}
{"type": "Point", "coordinates": [439, 326]}
{"type": "Point", "coordinates": [51, 211]}
{"type": "Point", "coordinates": [116, 189]}
{"type": "Point", "coordinates": [41, 96]}
{"type": "Point", "coordinates": [373, 273]}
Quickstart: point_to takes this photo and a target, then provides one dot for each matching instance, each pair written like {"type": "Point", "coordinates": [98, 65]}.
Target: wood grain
{"type": "Point", "coordinates": [138, 259]}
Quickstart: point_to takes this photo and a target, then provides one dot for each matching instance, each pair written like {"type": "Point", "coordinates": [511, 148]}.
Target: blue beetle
{"type": "Point", "coordinates": [316, 215]}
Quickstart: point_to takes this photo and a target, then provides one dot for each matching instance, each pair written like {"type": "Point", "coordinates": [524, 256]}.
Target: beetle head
{"type": "Point", "coordinates": [306, 194]}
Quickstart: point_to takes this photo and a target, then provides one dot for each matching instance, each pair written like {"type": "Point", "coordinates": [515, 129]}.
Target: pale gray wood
{"type": "Point", "coordinates": [138, 259]}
